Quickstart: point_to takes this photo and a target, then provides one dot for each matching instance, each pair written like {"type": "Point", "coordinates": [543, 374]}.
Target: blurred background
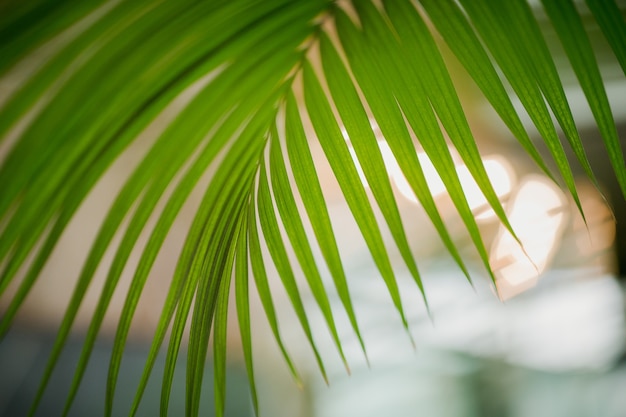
{"type": "Point", "coordinates": [548, 339]}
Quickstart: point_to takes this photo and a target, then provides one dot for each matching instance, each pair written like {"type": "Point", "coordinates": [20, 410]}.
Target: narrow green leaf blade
{"type": "Point", "coordinates": [291, 220]}
{"type": "Point", "coordinates": [463, 41]}
{"type": "Point", "coordinates": [569, 27]}
{"type": "Point", "coordinates": [242, 301]}
{"type": "Point", "coordinates": [275, 245]}
{"type": "Point", "coordinates": [398, 79]}
{"type": "Point", "coordinates": [214, 285]}
{"type": "Point", "coordinates": [531, 42]}
{"type": "Point", "coordinates": [338, 155]}
{"type": "Point", "coordinates": [263, 289]}
{"type": "Point", "coordinates": [21, 31]}
{"type": "Point", "coordinates": [611, 22]}
{"type": "Point", "coordinates": [515, 66]}
{"type": "Point", "coordinates": [227, 189]}
{"type": "Point", "coordinates": [366, 147]}
{"type": "Point", "coordinates": [221, 319]}
{"type": "Point", "coordinates": [421, 52]}
{"type": "Point", "coordinates": [308, 184]}
{"type": "Point", "coordinates": [174, 204]}
{"type": "Point", "coordinates": [391, 122]}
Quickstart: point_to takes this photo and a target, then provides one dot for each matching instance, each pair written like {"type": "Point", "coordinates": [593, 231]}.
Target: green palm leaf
{"type": "Point", "coordinates": [84, 81]}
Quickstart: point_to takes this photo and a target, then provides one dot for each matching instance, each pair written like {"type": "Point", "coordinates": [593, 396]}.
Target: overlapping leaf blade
{"type": "Point", "coordinates": [149, 85]}
{"type": "Point", "coordinates": [545, 72]}
{"type": "Point", "coordinates": [569, 27]}
{"type": "Point", "coordinates": [156, 240]}
{"type": "Point", "coordinates": [365, 144]}
{"type": "Point", "coordinates": [215, 274]}
{"type": "Point", "coordinates": [166, 88]}
{"type": "Point", "coordinates": [242, 300]}
{"type": "Point", "coordinates": [338, 155]}
{"type": "Point", "coordinates": [276, 248]}
{"type": "Point", "coordinates": [221, 317]}
{"type": "Point", "coordinates": [612, 24]}
{"type": "Point", "coordinates": [522, 77]}
{"type": "Point", "coordinates": [263, 288]}
{"type": "Point", "coordinates": [126, 199]}
{"type": "Point", "coordinates": [310, 189]}
{"type": "Point", "coordinates": [78, 111]}
{"type": "Point", "coordinates": [227, 191]}
{"type": "Point", "coordinates": [441, 93]}
{"type": "Point", "coordinates": [31, 23]}
{"type": "Point", "coordinates": [236, 88]}
{"type": "Point", "coordinates": [294, 228]}
{"type": "Point", "coordinates": [461, 38]}
{"type": "Point", "coordinates": [104, 84]}
{"type": "Point", "coordinates": [391, 122]}
{"type": "Point", "coordinates": [400, 91]}
{"type": "Point", "coordinates": [165, 221]}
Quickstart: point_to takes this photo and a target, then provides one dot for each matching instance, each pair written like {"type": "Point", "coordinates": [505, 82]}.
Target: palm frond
{"type": "Point", "coordinates": [222, 78]}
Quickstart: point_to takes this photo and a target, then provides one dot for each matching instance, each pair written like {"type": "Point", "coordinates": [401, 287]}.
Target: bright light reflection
{"type": "Point", "coordinates": [435, 185]}
{"type": "Point", "coordinates": [500, 174]}
{"type": "Point", "coordinates": [537, 215]}
{"type": "Point", "coordinates": [499, 171]}
{"type": "Point", "coordinates": [355, 159]}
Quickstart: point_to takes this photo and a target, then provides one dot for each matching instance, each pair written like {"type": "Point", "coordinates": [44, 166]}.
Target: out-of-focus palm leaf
{"type": "Point", "coordinates": [570, 29]}
{"type": "Point", "coordinates": [83, 80]}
